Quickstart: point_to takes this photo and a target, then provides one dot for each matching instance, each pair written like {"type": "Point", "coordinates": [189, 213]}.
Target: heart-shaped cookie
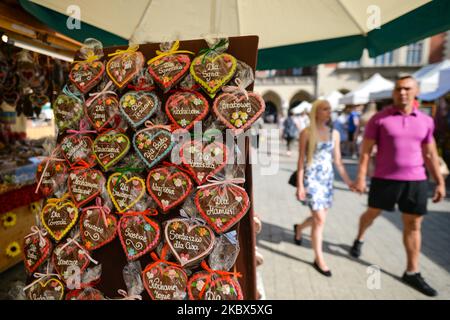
{"type": "Point", "coordinates": [164, 282]}
{"type": "Point", "coordinates": [222, 206]}
{"type": "Point", "coordinates": [50, 289]}
{"type": "Point", "coordinates": [138, 106]}
{"type": "Point", "coordinates": [54, 176]}
{"type": "Point", "coordinates": [86, 75]}
{"type": "Point", "coordinates": [76, 148]}
{"type": "Point", "coordinates": [103, 112]}
{"type": "Point", "coordinates": [168, 187]}
{"type": "Point", "coordinates": [237, 112]}
{"type": "Point", "coordinates": [123, 67]}
{"type": "Point", "coordinates": [58, 218]}
{"type": "Point", "coordinates": [109, 148]}
{"type": "Point", "coordinates": [184, 108]}
{"type": "Point", "coordinates": [213, 71]}
{"type": "Point", "coordinates": [84, 185]}
{"type": "Point", "coordinates": [68, 112]}
{"type": "Point", "coordinates": [168, 70]}
{"type": "Point", "coordinates": [138, 235]}
{"type": "Point", "coordinates": [153, 144]}
{"type": "Point", "coordinates": [94, 232]}
{"type": "Point", "coordinates": [68, 259]}
{"type": "Point", "coordinates": [125, 191]}
{"type": "Point", "coordinates": [189, 242]}
{"type": "Point", "coordinates": [203, 161]}
{"type": "Point", "coordinates": [210, 286]}
{"type": "Point", "coordinates": [36, 250]}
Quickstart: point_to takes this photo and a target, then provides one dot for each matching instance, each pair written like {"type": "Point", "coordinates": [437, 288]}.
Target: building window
{"type": "Point", "coordinates": [414, 53]}
{"type": "Point", "coordinates": [351, 64]}
{"type": "Point", "coordinates": [384, 59]}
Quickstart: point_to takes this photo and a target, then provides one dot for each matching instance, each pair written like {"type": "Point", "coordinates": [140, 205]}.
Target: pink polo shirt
{"type": "Point", "coordinates": [399, 138]}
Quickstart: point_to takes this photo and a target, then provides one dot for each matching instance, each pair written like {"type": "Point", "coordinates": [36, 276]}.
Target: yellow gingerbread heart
{"type": "Point", "coordinates": [58, 217]}
{"type": "Point", "coordinates": [124, 192]}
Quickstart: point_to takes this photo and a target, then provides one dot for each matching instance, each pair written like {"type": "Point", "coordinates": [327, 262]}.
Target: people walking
{"type": "Point", "coordinates": [290, 131]}
{"type": "Point", "coordinates": [404, 139]}
{"type": "Point", "coordinates": [319, 145]}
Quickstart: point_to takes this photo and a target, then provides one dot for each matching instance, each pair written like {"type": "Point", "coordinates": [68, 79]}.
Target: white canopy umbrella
{"type": "Point", "coordinates": [427, 77]}
{"type": "Point", "coordinates": [302, 107]}
{"type": "Point", "coordinates": [442, 89]}
{"type": "Point", "coordinates": [361, 94]}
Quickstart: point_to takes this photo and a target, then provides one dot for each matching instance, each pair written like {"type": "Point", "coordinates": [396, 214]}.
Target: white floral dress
{"type": "Point", "coordinates": [319, 176]}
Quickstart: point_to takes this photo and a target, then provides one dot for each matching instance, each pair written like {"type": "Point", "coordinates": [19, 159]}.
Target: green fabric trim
{"type": "Point", "coordinates": [57, 21]}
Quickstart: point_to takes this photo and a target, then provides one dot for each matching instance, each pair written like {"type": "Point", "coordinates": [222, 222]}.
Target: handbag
{"type": "Point", "coordinates": [293, 179]}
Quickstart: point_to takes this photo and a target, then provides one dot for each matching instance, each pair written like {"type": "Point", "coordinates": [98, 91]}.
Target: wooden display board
{"type": "Point", "coordinates": [112, 256]}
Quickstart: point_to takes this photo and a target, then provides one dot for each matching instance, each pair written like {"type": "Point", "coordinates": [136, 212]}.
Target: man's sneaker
{"type": "Point", "coordinates": [418, 282]}
{"type": "Point", "coordinates": [355, 250]}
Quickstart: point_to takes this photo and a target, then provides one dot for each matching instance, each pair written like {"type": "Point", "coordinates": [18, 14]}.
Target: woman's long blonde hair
{"type": "Point", "coordinates": [312, 141]}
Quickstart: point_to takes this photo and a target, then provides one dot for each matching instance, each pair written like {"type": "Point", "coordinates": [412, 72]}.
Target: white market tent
{"type": "Point", "coordinates": [333, 99]}
{"type": "Point", "coordinates": [427, 77]}
{"type": "Point", "coordinates": [302, 107]}
{"type": "Point", "coordinates": [442, 89]}
{"type": "Point", "coordinates": [361, 94]}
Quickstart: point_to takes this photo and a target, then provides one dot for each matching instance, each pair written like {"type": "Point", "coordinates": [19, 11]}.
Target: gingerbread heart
{"type": "Point", "coordinates": [94, 232]}
{"type": "Point", "coordinates": [207, 286]}
{"type": "Point", "coordinates": [168, 187]}
{"type": "Point", "coordinates": [76, 148]}
{"type": "Point", "coordinates": [103, 112]}
{"type": "Point", "coordinates": [68, 112]}
{"type": "Point", "coordinates": [109, 148]}
{"type": "Point", "coordinates": [123, 67]}
{"type": "Point", "coordinates": [213, 71]}
{"type": "Point", "coordinates": [69, 259]}
{"type": "Point", "coordinates": [203, 161]}
{"type": "Point", "coordinates": [222, 206]}
{"type": "Point", "coordinates": [168, 70]}
{"type": "Point", "coordinates": [125, 192]}
{"type": "Point", "coordinates": [138, 106]}
{"type": "Point", "coordinates": [138, 235]}
{"type": "Point", "coordinates": [88, 293]}
{"type": "Point", "coordinates": [189, 242]}
{"type": "Point", "coordinates": [51, 289]}
{"type": "Point", "coordinates": [84, 185]}
{"type": "Point", "coordinates": [36, 250]}
{"type": "Point", "coordinates": [184, 108]}
{"type": "Point", "coordinates": [54, 175]}
{"type": "Point", "coordinates": [153, 144]}
{"type": "Point", "coordinates": [86, 75]}
{"type": "Point", "coordinates": [164, 282]}
{"type": "Point", "coordinates": [58, 218]}
{"type": "Point", "coordinates": [237, 112]}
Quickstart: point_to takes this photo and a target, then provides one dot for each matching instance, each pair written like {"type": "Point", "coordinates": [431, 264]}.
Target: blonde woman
{"type": "Point", "coordinates": [319, 145]}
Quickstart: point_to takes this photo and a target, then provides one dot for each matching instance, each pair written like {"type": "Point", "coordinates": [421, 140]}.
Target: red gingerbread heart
{"type": "Point", "coordinates": [84, 185]}
{"type": "Point", "coordinates": [76, 148]}
{"type": "Point", "coordinates": [103, 112]}
{"type": "Point", "coordinates": [203, 161]}
{"type": "Point", "coordinates": [164, 282]}
{"type": "Point", "coordinates": [168, 187]}
{"type": "Point", "coordinates": [222, 206]}
{"type": "Point", "coordinates": [36, 250]}
{"type": "Point", "coordinates": [168, 70]}
{"type": "Point", "coordinates": [54, 175]}
{"type": "Point", "coordinates": [138, 235]}
{"type": "Point", "coordinates": [237, 112]}
{"type": "Point", "coordinates": [210, 286]}
{"type": "Point", "coordinates": [86, 75]}
{"type": "Point", "coordinates": [95, 231]}
{"type": "Point", "coordinates": [68, 259]}
{"type": "Point", "coordinates": [185, 108]}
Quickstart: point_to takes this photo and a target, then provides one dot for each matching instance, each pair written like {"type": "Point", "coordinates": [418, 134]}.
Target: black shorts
{"type": "Point", "coordinates": [410, 196]}
{"type": "Point", "coordinates": [351, 136]}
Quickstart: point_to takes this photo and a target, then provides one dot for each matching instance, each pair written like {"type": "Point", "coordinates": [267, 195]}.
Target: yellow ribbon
{"type": "Point", "coordinates": [172, 50]}
{"type": "Point", "coordinates": [58, 200]}
{"type": "Point", "coordinates": [130, 49]}
{"type": "Point", "coordinates": [89, 58]}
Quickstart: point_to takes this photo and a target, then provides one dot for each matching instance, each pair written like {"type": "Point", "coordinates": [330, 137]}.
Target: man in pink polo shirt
{"type": "Point", "coordinates": [404, 139]}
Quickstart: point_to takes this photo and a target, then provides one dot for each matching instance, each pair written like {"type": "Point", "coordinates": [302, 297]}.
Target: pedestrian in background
{"type": "Point", "coordinates": [290, 131]}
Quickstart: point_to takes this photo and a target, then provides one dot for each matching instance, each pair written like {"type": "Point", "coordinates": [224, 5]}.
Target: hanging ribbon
{"type": "Point", "coordinates": [35, 230]}
{"type": "Point", "coordinates": [240, 88]}
{"type": "Point", "coordinates": [193, 219]}
{"type": "Point", "coordinates": [83, 250]}
{"type": "Point", "coordinates": [58, 200]}
{"type": "Point", "coordinates": [128, 297]}
{"type": "Point", "coordinates": [146, 212]}
{"type": "Point", "coordinates": [162, 259]}
{"type": "Point", "coordinates": [123, 171]}
{"type": "Point", "coordinates": [172, 50]}
{"type": "Point", "coordinates": [130, 49]}
{"type": "Point", "coordinates": [96, 95]}
{"type": "Point", "coordinates": [150, 125]}
{"type": "Point", "coordinates": [80, 164]}
{"type": "Point", "coordinates": [48, 159]}
{"type": "Point", "coordinates": [69, 93]}
{"type": "Point", "coordinates": [103, 209]}
{"type": "Point", "coordinates": [40, 277]}
{"type": "Point", "coordinates": [214, 181]}
{"type": "Point", "coordinates": [90, 57]}
{"type": "Point", "coordinates": [206, 51]}
{"type": "Point", "coordinates": [224, 274]}
{"type": "Point", "coordinates": [83, 128]}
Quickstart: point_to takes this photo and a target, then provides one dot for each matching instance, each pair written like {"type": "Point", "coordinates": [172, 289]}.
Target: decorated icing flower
{"type": "Point", "coordinates": [131, 252]}
{"type": "Point", "coordinates": [175, 225]}
{"type": "Point", "coordinates": [226, 289]}
{"type": "Point", "coordinates": [141, 145]}
{"type": "Point", "coordinates": [183, 122]}
{"type": "Point", "coordinates": [218, 223]}
{"type": "Point", "coordinates": [156, 176]}
{"type": "Point", "coordinates": [148, 142]}
{"type": "Point", "coordinates": [172, 274]}
{"type": "Point", "coordinates": [200, 284]}
{"type": "Point", "coordinates": [120, 139]}
{"type": "Point", "coordinates": [141, 137]}
{"type": "Point", "coordinates": [244, 116]}
{"type": "Point", "coordinates": [202, 232]}
{"type": "Point", "coordinates": [238, 123]}
{"type": "Point", "coordinates": [192, 149]}
{"type": "Point", "coordinates": [177, 182]}
{"type": "Point", "coordinates": [184, 257]}
{"type": "Point", "coordinates": [197, 101]}
{"type": "Point", "coordinates": [234, 115]}
{"type": "Point", "coordinates": [147, 227]}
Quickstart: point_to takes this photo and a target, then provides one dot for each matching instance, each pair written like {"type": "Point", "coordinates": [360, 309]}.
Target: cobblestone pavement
{"type": "Point", "coordinates": [287, 272]}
